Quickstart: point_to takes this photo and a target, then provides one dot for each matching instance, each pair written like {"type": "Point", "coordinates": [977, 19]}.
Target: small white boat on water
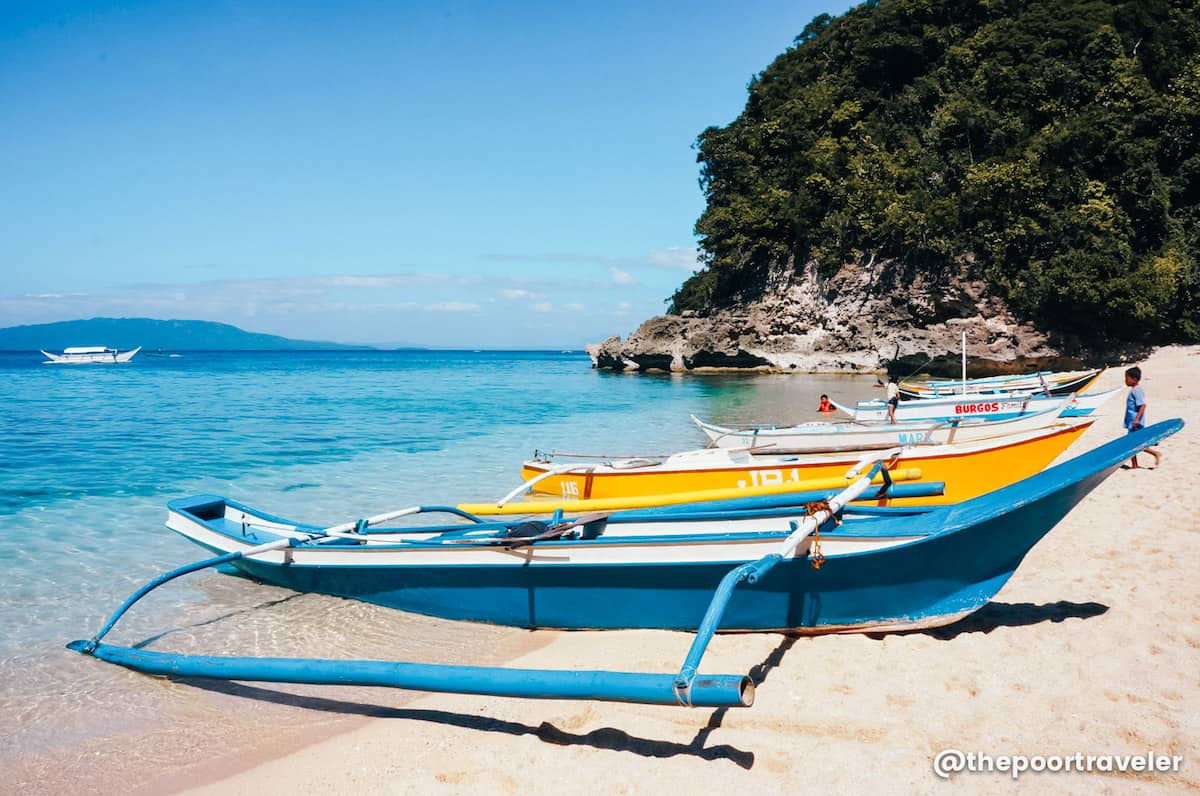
{"type": "Point", "coordinates": [89, 355]}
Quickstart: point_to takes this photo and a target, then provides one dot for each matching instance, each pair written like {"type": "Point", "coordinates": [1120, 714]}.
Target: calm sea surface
{"type": "Point", "coordinates": [90, 454]}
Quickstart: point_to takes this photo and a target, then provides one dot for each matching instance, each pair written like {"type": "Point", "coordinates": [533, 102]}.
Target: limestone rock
{"type": "Point", "coordinates": [862, 318]}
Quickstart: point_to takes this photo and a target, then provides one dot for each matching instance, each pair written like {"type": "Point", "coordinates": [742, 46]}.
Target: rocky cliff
{"type": "Point", "coordinates": [866, 317]}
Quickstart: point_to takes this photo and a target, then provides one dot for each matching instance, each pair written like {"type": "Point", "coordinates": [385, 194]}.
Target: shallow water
{"type": "Point", "coordinates": [89, 455]}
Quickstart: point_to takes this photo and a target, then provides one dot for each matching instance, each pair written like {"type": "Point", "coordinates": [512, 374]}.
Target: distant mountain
{"type": "Point", "coordinates": [150, 334]}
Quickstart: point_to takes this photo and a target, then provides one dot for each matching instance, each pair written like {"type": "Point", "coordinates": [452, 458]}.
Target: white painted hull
{"type": "Point", "coordinates": [974, 406]}
{"type": "Point", "coordinates": [106, 357]}
{"type": "Point", "coordinates": [854, 436]}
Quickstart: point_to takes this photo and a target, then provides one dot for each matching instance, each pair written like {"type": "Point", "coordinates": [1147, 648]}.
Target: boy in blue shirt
{"type": "Point", "coordinates": [1135, 413]}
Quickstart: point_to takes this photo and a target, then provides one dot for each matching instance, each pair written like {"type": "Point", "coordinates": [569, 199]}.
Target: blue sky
{"type": "Point", "coordinates": [470, 175]}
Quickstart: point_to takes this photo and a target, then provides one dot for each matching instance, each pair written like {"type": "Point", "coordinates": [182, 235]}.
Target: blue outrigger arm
{"type": "Point", "coordinates": [687, 688]}
{"type": "Point", "coordinates": [721, 690]}
{"type": "Point", "coordinates": [724, 690]}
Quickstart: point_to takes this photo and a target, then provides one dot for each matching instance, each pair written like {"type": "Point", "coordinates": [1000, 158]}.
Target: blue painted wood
{"type": "Point", "coordinates": [721, 690]}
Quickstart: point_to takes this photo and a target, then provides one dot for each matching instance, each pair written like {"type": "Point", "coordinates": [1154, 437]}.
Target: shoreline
{"type": "Point", "coordinates": [1091, 648]}
{"type": "Point", "coordinates": [212, 730]}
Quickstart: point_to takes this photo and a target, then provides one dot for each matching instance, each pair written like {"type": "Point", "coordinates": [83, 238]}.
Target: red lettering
{"type": "Point", "coordinates": [974, 409]}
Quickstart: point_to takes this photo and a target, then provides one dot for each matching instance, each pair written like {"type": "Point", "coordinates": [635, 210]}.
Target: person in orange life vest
{"type": "Point", "coordinates": [826, 406]}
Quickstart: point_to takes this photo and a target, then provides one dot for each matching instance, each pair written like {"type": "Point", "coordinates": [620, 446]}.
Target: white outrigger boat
{"type": "Point", "coordinates": [1001, 406]}
{"type": "Point", "coordinates": [89, 355]}
{"type": "Point", "coordinates": [859, 436]}
{"type": "Point", "coordinates": [1045, 382]}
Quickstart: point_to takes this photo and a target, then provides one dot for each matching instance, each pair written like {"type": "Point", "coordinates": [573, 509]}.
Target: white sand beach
{"type": "Point", "coordinates": [1093, 648]}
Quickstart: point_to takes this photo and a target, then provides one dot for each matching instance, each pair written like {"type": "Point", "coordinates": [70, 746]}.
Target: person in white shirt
{"type": "Point", "coordinates": [893, 398]}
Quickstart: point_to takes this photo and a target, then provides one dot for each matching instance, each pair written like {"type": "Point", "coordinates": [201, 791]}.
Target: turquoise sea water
{"type": "Point", "coordinates": [89, 456]}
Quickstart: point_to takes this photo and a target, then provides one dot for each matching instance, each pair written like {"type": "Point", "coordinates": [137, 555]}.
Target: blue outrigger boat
{"type": "Point", "coordinates": [825, 569]}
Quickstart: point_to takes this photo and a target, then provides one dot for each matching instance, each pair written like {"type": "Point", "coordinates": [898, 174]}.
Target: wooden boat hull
{"type": "Point", "coordinates": [846, 436]}
{"type": "Point", "coordinates": [1001, 406]}
{"type": "Point", "coordinates": [90, 356]}
{"type": "Point", "coordinates": [1055, 383]}
{"type": "Point", "coordinates": [921, 569]}
{"type": "Point", "coordinates": [968, 470]}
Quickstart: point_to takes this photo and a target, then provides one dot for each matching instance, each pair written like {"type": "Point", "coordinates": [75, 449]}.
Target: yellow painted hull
{"type": "Point", "coordinates": [967, 470]}
{"type": "Point", "coordinates": [547, 505]}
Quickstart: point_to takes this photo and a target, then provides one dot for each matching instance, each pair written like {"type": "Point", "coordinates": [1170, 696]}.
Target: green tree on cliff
{"type": "Point", "coordinates": [1052, 147]}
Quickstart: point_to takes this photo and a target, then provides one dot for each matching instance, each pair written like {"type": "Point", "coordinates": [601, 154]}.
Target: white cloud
{"type": "Point", "coordinates": [574, 306]}
{"type": "Point", "coordinates": [453, 306]}
{"type": "Point", "coordinates": [518, 294]}
{"type": "Point", "coordinates": [623, 307]}
{"type": "Point", "coordinates": [675, 258]}
{"type": "Point", "coordinates": [543, 306]}
{"type": "Point", "coordinates": [669, 258]}
{"type": "Point", "coordinates": [351, 280]}
{"type": "Point", "coordinates": [619, 277]}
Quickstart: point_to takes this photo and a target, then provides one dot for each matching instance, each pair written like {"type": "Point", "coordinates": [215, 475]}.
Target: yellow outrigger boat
{"type": "Point", "coordinates": [968, 469]}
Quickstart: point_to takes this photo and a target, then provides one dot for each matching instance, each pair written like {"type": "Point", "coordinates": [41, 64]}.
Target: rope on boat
{"type": "Point", "coordinates": [811, 510]}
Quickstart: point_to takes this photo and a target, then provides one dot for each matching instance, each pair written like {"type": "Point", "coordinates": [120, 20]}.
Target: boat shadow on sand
{"type": "Point", "coordinates": [996, 615]}
{"type": "Point", "coordinates": [607, 738]}
{"type": "Point", "coordinates": [992, 616]}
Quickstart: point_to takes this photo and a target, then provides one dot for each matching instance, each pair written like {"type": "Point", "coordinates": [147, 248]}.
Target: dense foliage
{"type": "Point", "coordinates": [1051, 147]}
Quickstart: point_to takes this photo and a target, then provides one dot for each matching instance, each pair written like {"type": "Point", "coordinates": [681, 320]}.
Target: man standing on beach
{"type": "Point", "coordinates": [893, 398]}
